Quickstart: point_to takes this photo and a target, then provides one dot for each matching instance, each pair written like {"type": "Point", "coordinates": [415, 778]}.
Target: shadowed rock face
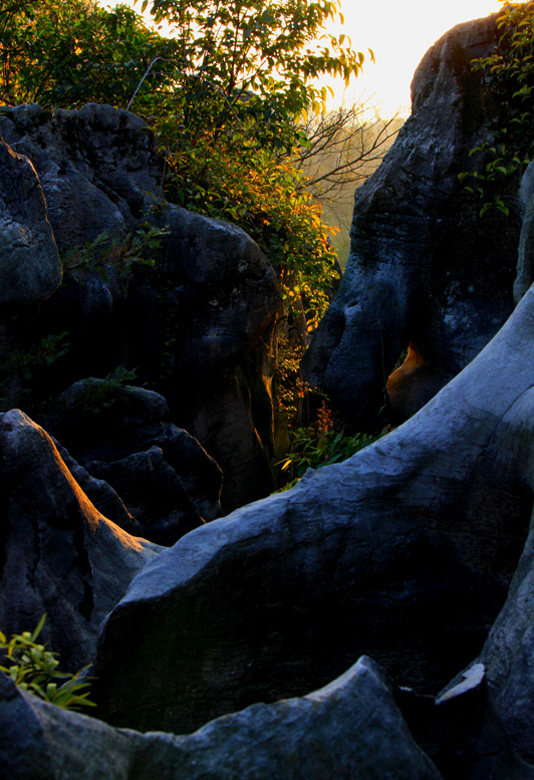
{"type": "Point", "coordinates": [167, 481]}
{"type": "Point", "coordinates": [30, 269]}
{"type": "Point", "coordinates": [350, 729]}
{"type": "Point", "coordinates": [199, 327]}
{"type": "Point", "coordinates": [404, 552]}
{"type": "Point", "coordinates": [57, 553]}
{"type": "Point", "coordinates": [509, 652]}
{"type": "Point", "coordinates": [423, 269]}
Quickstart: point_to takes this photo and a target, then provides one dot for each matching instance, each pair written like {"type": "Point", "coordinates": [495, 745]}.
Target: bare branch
{"type": "Point", "coordinates": [345, 146]}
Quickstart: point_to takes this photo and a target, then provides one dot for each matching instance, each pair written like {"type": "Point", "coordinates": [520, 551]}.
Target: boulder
{"type": "Point", "coordinates": [404, 552]}
{"type": "Point", "coordinates": [425, 272]}
{"type": "Point", "coordinates": [58, 554]}
{"type": "Point", "coordinates": [350, 729]}
{"type": "Point", "coordinates": [123, 436]}
{"type": "Point", "coordinates": [508, 654]}
{"type": "Point", "coordinates": [30, 269]}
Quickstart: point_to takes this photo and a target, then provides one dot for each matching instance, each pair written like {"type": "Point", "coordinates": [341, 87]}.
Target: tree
{"type": "Point", "coordinates": [68, 53]}
{"type": "Point", "coordinates": [345, 146]}
{"type": "Point", "coordinates": [254, 61]}
{"type": "Point", "coordinates": [508, 73]}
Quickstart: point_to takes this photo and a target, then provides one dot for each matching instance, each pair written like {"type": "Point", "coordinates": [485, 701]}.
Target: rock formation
{"type": "Point", "coordinates": [404, 552]}
{"type": "Point", "coordinates": [124, 437]}
{"type": "Point", "coordinates": [508, 654]}
{"type": "Point", "coordinates": [58, 554]}
{"type": "Point", "coordinates": [425, 273]}
{"type": "Point", "coordinates": [352, 728]}
{"type": "Point", "coordinates": [30, 269]}
{"type": "Point", "coordinates": [415, 554]}
{"type": "Point", "coordinates": [197, 327]}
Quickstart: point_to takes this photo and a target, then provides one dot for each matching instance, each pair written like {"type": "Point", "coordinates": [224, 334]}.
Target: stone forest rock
{"type": "Point", "coordinates": [350, 729]}
{"type": "Point", "coordinates": [123, 436]}
{"type": "Point", "coordinates": [405, 552]}
{"type": "Point", "coordinates": [58, 554]}
{"type": "Point", "coordinates": [425, 273]}
{"type": "Point", "coordinates": [417, 552]}
{"type": "Point", "coordinates": [508, 654]}
{"type": "Point", "coordinates": [101, 495]}
{"type": "Point", "coordinates": [465, 734]}
{"type": "Point", "coordinates": [198, 326]}
{"type": "Point", "coordinates": [30, 269]}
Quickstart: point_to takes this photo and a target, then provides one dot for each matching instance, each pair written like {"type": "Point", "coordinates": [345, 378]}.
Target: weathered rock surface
{"type": "Point", "coordinates": [222, 297]}
{"type": "Point", "coordinates": [58, 554]}
{"type": "Point", "coordinates": [464, 734]}
{"type": "Point", "coordinates": [525, 261]}
{"type": "Point", "coordinates": [424, 269]}
{"type": "Point", "coordinates": [197, 327]}
{"type": "Point", "coordinates": [123, 435]}
{"type": "Point", "coordinates": [98, 167]}
{"type": "Point", "coordinates": [30, 269]}
{"type": "Point", "coordinates": [350, 729]}
{"type": "Point", "coordinates": [101, 494]}
{"type": "Point", "coordinates": [508, 653]}
{"type": "Point", "coordinates": [404, 552]}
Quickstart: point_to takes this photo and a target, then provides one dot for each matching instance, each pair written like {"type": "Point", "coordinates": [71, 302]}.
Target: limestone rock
{"type": "Point", "coordinates": [525, 261]}
{"type": "Point", "coordinates": [465, 735]}
{"type": "Point", "coordinates": [223, 298]}
{"type": "Point", "coordinates": [424, 269]}
{"type": "Point", "coordinates": [30, 269]}
{"type": "Point", "coordinates": [123, 436]}
{"type": "Point", "coordinates": [199, 327]}
{"type": "Point", "coordinates": [508, 653]}
{"type": "Point", "coordinates": [350, 729]}
{"type": "Point", "coordinates": [58, 554]}
{"type": "Point", "coordinates": [98, 167]}
{"type": "Point", "coordinates": [404, 552]}
{"type": "Point", "coordinates": [100, 494]}
{"type": "Point", "coordinates": [153, 493]}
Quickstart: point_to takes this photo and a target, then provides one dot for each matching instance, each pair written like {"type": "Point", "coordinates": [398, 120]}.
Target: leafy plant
{"type": "Point", "coordinates": [35, 669]}
{"type": "Point", "coordinates": [321, 445]}
{"type": "Point", "coordinates": [114, 250]}
{"type": "Point", "coordinates": [45, 353]}
{"type": "Point", "coordinates": [72, 52]}
{"type": "Point", "coordinates": [508, 73]}
{"type": "Point", "coordinates": [22, 372]}
{"type": "Point", "coordinates": [100, 394]}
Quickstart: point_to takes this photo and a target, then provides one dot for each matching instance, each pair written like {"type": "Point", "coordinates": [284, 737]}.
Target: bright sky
{"type": "Point", "coordinates": [399, 32]}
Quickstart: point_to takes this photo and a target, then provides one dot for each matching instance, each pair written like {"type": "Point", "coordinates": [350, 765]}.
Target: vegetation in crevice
{"type": "Point", "coordinates": [508, 75]}
{"type": "Point", "coordinates": [35, 669]}
{"type": "Point", "coordinates": [116, 252]}
{"type": "Point", "coordinates": [320, 444]}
